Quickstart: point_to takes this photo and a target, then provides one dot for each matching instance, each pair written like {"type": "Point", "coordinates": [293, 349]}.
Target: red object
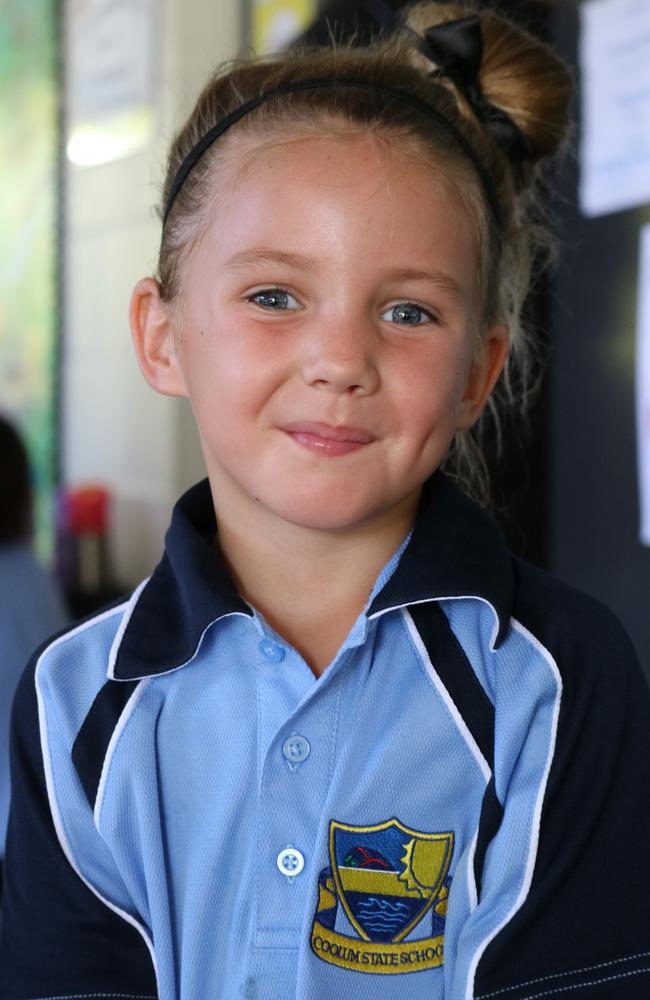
{"type": "Point", "coordinates": [87, 510]}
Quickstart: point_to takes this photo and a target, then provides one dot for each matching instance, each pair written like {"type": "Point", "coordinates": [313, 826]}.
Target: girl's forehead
{"type": "Point", "coordinates": [377, 163]}
{"type": "Point", "coordinates": [372, 148]}
{"type": "Point", "coordinates": [308, 136]}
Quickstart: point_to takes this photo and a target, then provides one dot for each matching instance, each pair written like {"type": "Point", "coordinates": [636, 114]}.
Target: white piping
{"type": "Point", "coordinates": [130, 606]}
{"type": "Point", "coordinates": [472, 890]}
{"type": "Point", "coordinates": [453, 597]}
{"type": "Point", "coordinates": [537, 813]}
{"type": "Point", "coordinates": [446, 697]}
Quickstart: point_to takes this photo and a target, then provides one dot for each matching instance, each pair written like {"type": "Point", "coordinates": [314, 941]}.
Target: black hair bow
{"type": "Point", "coordinates": [456, 50]}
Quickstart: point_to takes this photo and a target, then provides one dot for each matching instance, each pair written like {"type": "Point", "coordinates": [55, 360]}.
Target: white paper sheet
{"type": "Point", "coordinates": [615, 65]}
{"type": "Point", "coordinates": [643, 385]}
{"type": "Point", "coordinates": [109, 78]}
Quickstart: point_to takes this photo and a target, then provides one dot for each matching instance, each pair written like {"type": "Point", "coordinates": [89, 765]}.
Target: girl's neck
{"type": "Point", "coordinates": [309, 585]}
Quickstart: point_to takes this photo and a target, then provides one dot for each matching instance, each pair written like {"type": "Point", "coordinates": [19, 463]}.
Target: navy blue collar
{"type": "Point", "coordinates": [456, 550]}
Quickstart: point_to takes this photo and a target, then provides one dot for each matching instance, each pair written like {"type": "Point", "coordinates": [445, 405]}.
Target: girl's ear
{"type": "Point", "coordinates": [153, 337]}
{"type": "Point", "coordinates": [483, 374]}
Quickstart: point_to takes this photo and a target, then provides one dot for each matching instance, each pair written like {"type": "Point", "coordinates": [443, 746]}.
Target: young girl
{"type": "Point", "coordinates": [341, 745]}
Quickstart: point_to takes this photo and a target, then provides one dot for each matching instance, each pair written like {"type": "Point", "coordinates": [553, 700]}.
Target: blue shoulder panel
{"type": "Point", "coordinates": [57, 937]}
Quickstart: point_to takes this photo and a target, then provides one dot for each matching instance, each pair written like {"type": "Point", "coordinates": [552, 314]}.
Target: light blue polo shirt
{"type": "Point", "coordinates": [372, 834]}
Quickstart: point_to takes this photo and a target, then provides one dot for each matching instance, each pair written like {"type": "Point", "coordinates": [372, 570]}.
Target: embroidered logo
{"type": "Point", "coordinates": [387, 879]}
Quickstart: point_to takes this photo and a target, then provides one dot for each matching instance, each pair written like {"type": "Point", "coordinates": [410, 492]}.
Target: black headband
{"type": "Point", "coordinates": [297, 86]}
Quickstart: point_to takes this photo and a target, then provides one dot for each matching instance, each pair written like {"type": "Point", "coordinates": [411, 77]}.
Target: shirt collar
{"type": "Point", "coordinates": [189, 589]}
{"type": "Point", "coordinates": [455, 550]}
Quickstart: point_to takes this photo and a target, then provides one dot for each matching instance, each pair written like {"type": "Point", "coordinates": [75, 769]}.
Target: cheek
{"type": "Point", "coordinates": [229, 379]}
{"type": "Point", "coordinates": [209, 359]}
{"type": "Point", "coordinates": [429, 385]}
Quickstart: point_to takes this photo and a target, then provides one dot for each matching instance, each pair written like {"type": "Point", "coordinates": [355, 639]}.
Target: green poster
{"type": "Point", "coordinates": [28, 241]}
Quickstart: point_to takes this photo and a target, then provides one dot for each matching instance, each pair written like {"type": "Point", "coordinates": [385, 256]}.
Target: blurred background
{"type": "Point", "coordinates": [91, 92]}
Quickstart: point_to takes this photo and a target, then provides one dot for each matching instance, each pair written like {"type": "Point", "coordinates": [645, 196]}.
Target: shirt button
{"type": "Point", "coordinates": [296, 749]}
{"type": "Point", "coordinates": [271, 650]}
{"type": "Point", "coordinates": [290, 861]}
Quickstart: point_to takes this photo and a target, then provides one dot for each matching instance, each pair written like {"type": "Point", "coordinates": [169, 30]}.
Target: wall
{"type": "Point", "coordinates": [115, 429]}
{"type": "Point", "coordinates": [593, 491]}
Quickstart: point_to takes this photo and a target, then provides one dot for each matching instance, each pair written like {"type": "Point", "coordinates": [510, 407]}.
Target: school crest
{"type": "Point", "coordinates": [391, 882]}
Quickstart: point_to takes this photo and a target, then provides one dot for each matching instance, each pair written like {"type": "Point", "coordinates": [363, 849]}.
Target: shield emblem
{"type": "Point", "coordinates": [387, 876]}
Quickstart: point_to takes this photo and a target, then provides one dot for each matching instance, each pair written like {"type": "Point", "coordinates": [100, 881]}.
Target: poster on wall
{"type": "Point", "coordinates": [275, 23]}
{"type": "Point", "coordinates": [615, 69]}
{"type": "Point", "coordinates": [28, 251]}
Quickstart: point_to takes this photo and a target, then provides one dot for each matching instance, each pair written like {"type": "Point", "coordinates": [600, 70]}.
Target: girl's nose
{"type": "Point", "coordinates": [340, 356]}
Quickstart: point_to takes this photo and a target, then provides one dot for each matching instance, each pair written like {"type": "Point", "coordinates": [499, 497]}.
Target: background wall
{"type": "Point", "coordinates": [593, 499]}
{"type": "Point", "coordinates": [115, 429]}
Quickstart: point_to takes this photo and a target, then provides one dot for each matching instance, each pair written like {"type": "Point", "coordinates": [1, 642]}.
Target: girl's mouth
{"type": "Point", "coordinates": [326, 439]}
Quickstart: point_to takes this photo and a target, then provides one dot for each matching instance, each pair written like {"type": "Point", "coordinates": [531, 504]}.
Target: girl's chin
{"type": "Point", "coordinates": [338, 512]}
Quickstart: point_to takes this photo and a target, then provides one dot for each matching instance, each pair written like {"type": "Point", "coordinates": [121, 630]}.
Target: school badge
{"type": "Point", "coordinates": [391, 884]}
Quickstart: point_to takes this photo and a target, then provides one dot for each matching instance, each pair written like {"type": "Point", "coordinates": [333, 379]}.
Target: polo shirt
{"type": "Point", "coordinates": [457, 808]}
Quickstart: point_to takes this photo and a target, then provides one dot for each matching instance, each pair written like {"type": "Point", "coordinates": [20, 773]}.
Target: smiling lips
{"type": "Point", "coordinates": [328, 440]}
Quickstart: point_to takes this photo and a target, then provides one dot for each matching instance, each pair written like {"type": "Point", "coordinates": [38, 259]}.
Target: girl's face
{"type": "Point", "coordinates": [326, 332]}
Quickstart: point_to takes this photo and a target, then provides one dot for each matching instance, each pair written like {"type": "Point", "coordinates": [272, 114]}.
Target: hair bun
{"type": "Point", "coordinates": [518, 75]}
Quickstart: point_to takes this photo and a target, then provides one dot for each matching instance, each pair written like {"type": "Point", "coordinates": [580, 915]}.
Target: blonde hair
{"type": "Point", "coordinates": [518, 75]}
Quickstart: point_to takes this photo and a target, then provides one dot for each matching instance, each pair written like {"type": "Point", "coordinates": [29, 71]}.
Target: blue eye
{"type": "Point", "coordinates": [408, 314]}
{"type": "Point", "coordinates": [273, 299]}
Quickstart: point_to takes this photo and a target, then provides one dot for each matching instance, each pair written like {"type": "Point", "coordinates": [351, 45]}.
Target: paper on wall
{"type": "Point", "coordinates": [615, 65]}
{"type": "Point", "coordinates": [643, 385]}
{"type": "Point", "coordinates": [109, 78]}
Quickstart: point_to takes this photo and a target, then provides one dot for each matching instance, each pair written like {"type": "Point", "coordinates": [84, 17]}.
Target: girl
{"type": "Point", "coordinates": [340, 744]}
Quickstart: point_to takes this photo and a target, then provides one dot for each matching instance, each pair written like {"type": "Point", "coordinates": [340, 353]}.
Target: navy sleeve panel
{"type": "Point", "coordinates": [473, 704]}
{"type": "Point", "coordinates": [56, 937]}
{"type": "Point", "coordinates": [584, 927]}
{"type": "Point", "coordinates": [91, 744]}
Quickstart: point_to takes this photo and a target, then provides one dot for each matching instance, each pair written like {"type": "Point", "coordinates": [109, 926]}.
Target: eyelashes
{"type": "Point", "coordinates": [405, 313]}
{"type": "Point", "coordinates": [271, 299]}
{"type": "Point", "coordinates": [411, 314]}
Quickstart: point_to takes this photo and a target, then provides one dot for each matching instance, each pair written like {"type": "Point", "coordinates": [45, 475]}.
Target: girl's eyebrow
{"type": "Point", "coordinates": [246, 258]}
{"type": "Point", "coordinates": [239, 261]}
{"type": "Point", "coordinates": [443, 281]}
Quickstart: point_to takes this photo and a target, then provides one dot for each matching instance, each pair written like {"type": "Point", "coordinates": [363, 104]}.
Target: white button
{"type": "Point", "coordinates": [271, 650]}
{"type": "Point", "coordinates": [290, 861]}
{"type": "Point", "coordinates": [296, 749]}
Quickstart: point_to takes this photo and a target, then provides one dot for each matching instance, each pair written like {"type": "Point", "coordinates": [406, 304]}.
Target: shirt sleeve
{"type": "Point", "coordinates": [582, 926]}
{"type": "Point", "coordinates": [57, 938]}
